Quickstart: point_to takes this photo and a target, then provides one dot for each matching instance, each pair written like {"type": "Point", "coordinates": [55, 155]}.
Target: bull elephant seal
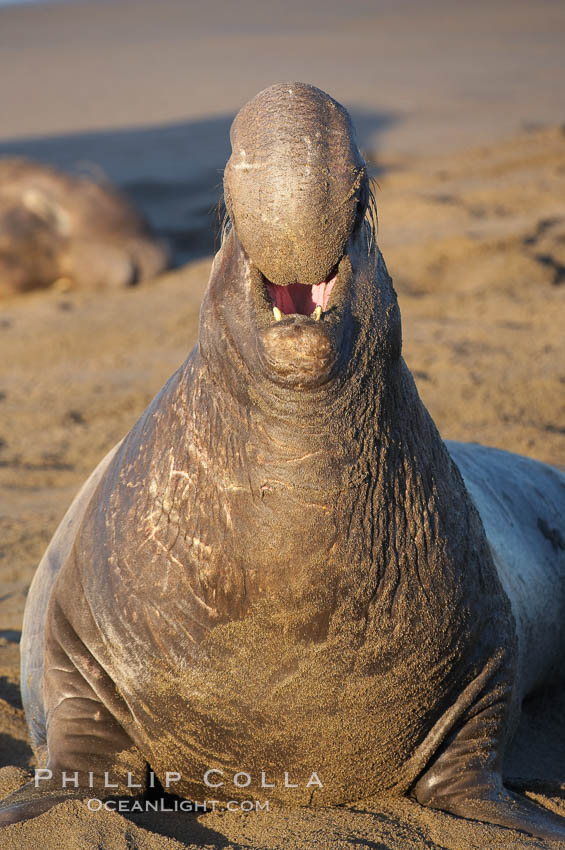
{"type": "Point", "coordinates": [54, 226]}
{"type": "Point", "coordinates": [280, 573]}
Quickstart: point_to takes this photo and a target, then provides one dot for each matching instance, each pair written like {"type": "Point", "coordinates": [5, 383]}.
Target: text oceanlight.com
{"type": "Point", "coordinates": [163, 806]}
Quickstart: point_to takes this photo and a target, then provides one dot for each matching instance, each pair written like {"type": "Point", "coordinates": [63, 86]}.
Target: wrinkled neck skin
{"type": "Point", "coordinates": [299, 404]}
{"type": "Point", "coordinates": [342, 460]}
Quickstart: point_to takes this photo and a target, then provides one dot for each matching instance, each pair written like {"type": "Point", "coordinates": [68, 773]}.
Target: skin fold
{"type": "Point", "coordinates": [280, 568]}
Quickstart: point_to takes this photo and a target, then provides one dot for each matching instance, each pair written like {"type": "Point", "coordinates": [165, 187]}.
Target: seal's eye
{"type": "Point", "coordinates": [362, 204]}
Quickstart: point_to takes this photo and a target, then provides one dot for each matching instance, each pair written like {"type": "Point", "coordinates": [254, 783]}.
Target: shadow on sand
{"type": "Point", "coordinates": [173, 172]}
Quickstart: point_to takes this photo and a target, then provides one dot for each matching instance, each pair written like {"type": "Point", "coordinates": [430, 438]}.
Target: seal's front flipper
{"type": "Point", "coordinates": [90, 754]}
{"type": "Point", "coordinates": [29, 802]}
{"type": "Point", "coordinates": [498, 806]}
{"type": "Point", "coordinates": [466, 781]}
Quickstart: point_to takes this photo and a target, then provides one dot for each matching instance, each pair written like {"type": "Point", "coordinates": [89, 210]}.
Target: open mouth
{"type": "Point", "coordinates": [305, 331]}
{"type": "Point", "coordinates": [301, 298]}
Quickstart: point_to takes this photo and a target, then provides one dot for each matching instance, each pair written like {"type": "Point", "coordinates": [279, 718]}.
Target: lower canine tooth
{"type": "Point", "coordinates": [277, 314]}
{"type": "Point", "coordinates": [317, 313]}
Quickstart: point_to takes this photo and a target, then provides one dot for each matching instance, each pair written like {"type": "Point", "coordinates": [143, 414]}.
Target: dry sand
{"type": "Point", "coordinates": [474, 238]}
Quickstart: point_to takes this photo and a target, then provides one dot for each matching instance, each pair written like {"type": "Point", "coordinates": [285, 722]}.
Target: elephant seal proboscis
{"type": "Point", "coordinates": [283, 570]}
{"type": "Point", "coordinates": [73, 231]}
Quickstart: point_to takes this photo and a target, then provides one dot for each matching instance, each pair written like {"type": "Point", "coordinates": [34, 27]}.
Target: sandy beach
{"type": "Point", "coordinates": [460, 116]}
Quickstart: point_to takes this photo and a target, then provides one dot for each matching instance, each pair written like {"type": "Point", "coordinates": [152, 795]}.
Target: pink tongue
{"type": "Point", "coordinates": [300, 297]}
